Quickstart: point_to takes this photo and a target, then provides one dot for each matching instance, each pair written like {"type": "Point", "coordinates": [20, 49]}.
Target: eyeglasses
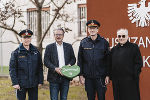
{"type": "Point", "coordinates": [59, 34]}
{"type": "Point", "coordinates": [123, 36]}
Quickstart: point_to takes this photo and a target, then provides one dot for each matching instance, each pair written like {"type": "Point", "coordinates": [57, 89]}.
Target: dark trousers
{"type": "Point", "coordinates": [126, 89]}
{"type": "Point", "coordinates": [32, 93]}
{"type": "Point", "coordinates": [93, 86]}
{"type": "Point", "coordinates": [62, 87]}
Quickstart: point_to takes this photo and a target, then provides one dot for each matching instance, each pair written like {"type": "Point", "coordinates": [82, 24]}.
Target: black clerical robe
{"type": "Point", "coordinates": [126, 64]}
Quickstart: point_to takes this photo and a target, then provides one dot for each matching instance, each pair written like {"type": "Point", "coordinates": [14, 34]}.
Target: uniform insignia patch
{"type": "Point", "coordinates": [87, 48]}
{"type": "Point", "coordinates": [35, 53]}
{"type": "Point", "coordinates": [22, 56]}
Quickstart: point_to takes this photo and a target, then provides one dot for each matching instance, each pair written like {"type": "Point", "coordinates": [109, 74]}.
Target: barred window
{"type": "Point", "coordinates": [82, 19]}
{"type": "Point", "coordinates": [32, 20]}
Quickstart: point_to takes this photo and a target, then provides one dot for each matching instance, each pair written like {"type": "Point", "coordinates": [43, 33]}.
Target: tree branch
{"type": "Point", "coordinates": [9, 42]}
{"type": "Point", "coordinates": [11, 29]}
{"type": "Point", "coordinates": [14, 21]}
{"type": "Point", "coordinates": [38, 5]}
{"type": "Point", "coordinates": [57, 12]}
{"type": "Point", "coordinates": [42, 2]}
{"type": "Point", "coordinates": [8, 28]}
{"type": "Point", "coordinates": [54, 4]}
{"type": "Point", "coordinates": [36, 1]}
{"type": "Point", "coordinates": [47, 4]}
{"type": "Point", "coordinates": [33, 2]}
{"type": "Point", "coordinates": [62, 5]}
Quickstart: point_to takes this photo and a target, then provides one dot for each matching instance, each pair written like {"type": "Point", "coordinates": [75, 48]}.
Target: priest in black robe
{"type": "Point", "coordinates": [126, 64]}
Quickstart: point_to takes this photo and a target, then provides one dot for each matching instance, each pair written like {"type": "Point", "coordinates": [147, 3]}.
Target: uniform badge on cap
{"type": "Point", "coordinates": [92, 23]}
{"type": "Point", "coordinates": [26, 33]}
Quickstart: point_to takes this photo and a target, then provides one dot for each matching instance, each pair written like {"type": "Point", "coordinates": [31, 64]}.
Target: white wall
{"type": "Point", "coordinates": [70, 37]}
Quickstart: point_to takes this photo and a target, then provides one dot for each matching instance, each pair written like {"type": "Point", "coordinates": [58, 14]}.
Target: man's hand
{"type": "Point", "coordinates": [106, 80]}
{"type": "Point", "coordinates": [58, 70]}
{"type": "Point", "coordinates": [39, 85]}
{"type": "Point", "coordinates": [82, 80]}
{"type": "Point", "coordinates": [68, 65]}
{"type": "Point", "coordinates": [16, 87]}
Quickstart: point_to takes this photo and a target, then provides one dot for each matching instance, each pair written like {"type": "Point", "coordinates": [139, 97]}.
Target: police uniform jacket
{"type": "Point", "coordinates": [93, 57]}
{"type": "Point", "coordinates": [51, 60]}
{"type": "Point", "coordinates": [26, 68]}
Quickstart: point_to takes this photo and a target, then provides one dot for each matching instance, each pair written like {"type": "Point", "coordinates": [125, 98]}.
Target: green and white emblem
{"type": "Point", "coordinates": [70, 71]}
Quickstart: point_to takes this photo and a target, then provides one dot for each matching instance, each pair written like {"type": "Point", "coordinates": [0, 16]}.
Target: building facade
{"type": "Point", "coordinates": [133, 15]}
{"type": "Point", "coordinates": [76, 10]}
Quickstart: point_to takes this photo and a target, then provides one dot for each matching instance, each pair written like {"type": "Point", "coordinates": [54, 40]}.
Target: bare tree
{"type": "Point", "coordinates": [11, 11]}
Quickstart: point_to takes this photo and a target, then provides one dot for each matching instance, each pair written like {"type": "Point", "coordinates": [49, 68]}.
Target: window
{"type": "Point", "coordinates": [32, 19]}
{"type": "Point", "coordinates": [79, 0]}
{"type": "Point", "coordinates": [82, 9]}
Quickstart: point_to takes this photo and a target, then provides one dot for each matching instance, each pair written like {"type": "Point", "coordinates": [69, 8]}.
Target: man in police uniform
{"type": "Point", "coordinates": [26, 68]}
{"type": "Point", "coordinates": [93, 61]}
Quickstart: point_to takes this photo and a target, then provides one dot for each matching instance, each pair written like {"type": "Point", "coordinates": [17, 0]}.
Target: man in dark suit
{"type": "Point", "coordinates": [57, 55]}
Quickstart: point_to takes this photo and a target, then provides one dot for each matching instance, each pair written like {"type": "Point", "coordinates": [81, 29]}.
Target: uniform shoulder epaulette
{"type": "Point", "coordinates": [104, 39]}
{"type": "Point", "coordinates": [84, 39]}
{"type": "Point", "coordinates": [16, 50]}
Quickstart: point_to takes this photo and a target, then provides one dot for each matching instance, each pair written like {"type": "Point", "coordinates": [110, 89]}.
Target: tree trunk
{"type": "Point", "coordinates": [39, 29]}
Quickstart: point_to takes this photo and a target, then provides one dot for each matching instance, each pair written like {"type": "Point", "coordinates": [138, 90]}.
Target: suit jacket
{"type": "Point", "coordinates": [51, 60]}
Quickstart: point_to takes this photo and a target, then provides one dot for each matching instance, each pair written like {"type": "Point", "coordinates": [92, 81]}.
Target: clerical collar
{"type": "Point", "coordinates": [124, 44]}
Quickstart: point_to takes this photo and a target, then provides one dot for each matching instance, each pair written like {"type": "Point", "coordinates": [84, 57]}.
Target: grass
{"type": "Point", "coordinates": [8, 93]}
{"type": "Point", "coordinates": [4, 70]}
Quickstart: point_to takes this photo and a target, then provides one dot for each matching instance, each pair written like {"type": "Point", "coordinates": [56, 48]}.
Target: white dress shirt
{"type": "Point", "coordinates": [60, 51]}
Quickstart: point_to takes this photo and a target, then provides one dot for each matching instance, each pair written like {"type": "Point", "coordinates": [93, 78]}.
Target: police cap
{"type": "Point", "coordinates": [26, 33]}
{"type": "Point", "coordinates": [92, 23]}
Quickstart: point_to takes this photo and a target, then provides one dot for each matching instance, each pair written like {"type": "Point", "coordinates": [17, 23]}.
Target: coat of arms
{"type": "Point", "coordinates": [139, 13]}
